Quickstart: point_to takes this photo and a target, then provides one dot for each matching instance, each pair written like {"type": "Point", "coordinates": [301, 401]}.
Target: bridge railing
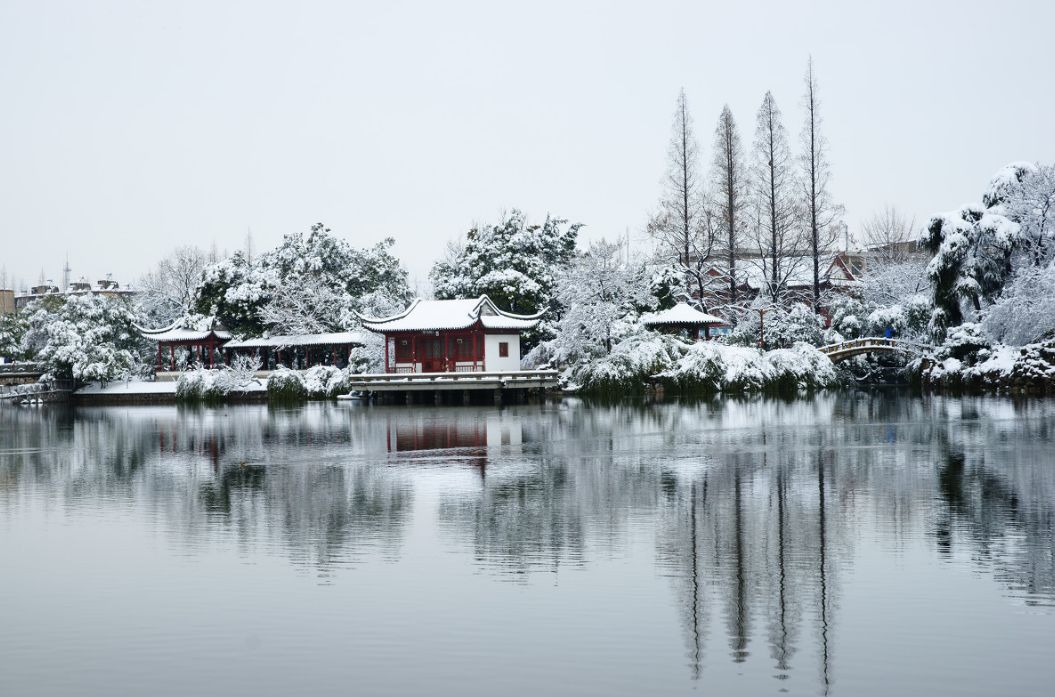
{"type": "Point", "coordinates": [867, 343]}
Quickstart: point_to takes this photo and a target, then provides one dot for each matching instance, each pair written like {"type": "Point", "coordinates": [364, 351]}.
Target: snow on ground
{"type": "Point", "coordinates": [129, 387]}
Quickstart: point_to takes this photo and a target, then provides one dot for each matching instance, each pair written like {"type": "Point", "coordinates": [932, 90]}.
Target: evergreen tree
{"type": "Point", "coordinates": [513, 262]}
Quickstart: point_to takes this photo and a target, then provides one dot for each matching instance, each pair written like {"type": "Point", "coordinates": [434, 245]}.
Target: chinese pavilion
{"type": "Point", "coordinates": [683, 317]}
{"type": "Point", "coordinates": [452, 336]}
{"type": "Point", "coordinates": [201, 346]}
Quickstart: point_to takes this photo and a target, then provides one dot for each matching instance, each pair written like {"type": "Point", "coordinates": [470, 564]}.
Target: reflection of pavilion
{"type": "Point", "coordinates": [414, 432]}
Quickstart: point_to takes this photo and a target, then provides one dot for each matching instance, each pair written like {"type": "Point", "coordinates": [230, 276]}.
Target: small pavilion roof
{"type": "Point", "coordinates": [432, 315]}
{"type": "Point", "coordinates": [681, 314]}
{"type": "Point", "coordinates": [328, 339]}
{"type": "Point", "coordinates": [177, 332]}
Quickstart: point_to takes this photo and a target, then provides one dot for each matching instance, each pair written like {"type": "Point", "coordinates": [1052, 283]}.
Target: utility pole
{"type": "Point", "coordinates": [762, 327]}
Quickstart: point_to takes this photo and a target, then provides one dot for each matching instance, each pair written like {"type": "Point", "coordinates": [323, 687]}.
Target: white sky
{"type": "Point", "coordinates": [128, 128]}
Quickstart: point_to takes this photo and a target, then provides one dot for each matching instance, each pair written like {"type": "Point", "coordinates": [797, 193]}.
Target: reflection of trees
{"type": "Point", "coordinates": [752, 505]}
{"type": "Point", "coordinates": [272, 477]}
{"type": "Point", "coordinates": [1004, 518]}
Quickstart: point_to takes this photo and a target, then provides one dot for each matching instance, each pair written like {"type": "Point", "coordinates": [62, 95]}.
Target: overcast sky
{"type": "Point", "coordinates": [128, 128]}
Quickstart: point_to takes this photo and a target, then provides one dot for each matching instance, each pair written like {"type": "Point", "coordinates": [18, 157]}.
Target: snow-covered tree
{"type": "Point", "coordinates": [86, 338]}
{"type": "Point", "coordinates": [980, 250]}
{"type": "Point", "coordinates": [514, 262]}
{"type": "Point", "coordinates": [971, 261]}
{"type": "Point", "coordinates": [602, 293]}
{"type": "Point", "coordinates": [683, 228]}
{"type": "Point", "coordinates": [309, 283]}
{"type": "Point", "coordinates": [234, 291]}
{"type": "Point", "coordinates": [773, 205]}
{"type": "Point", "coordinates": [13, 329]}
{"type": "Point", "coordinates": [728, 193]}
{"type": "Point", "coordinates": [1025, 311]}
{"type": "Point", "coordinates": [168, 292]}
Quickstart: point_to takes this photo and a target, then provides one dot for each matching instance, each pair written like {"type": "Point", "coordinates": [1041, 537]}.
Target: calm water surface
{"type": "Point", "coordinates": [845, 545]}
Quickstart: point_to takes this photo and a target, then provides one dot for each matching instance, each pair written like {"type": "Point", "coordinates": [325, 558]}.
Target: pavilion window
{"type": "Point", "coordinates": [503, 349]}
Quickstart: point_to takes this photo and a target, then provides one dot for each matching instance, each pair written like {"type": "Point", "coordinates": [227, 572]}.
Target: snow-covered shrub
{"type": "Point", "coordinates": [701, 369]}
{"type": "Point", "coordinates": [285, 385]}
{"type": "Point", "coordinates": [965, 340]}
{"type": "Point", "coordinates": [802, 367]}
{"type": "Point", "coordinates": [632, 364]}
{"type": "Point", "coordinates": [713, 367]}
{"type": "Point", "coordinates": [746, 369]}
{"type": "Point", "coordinates": [324, 381]}
{"type": "Point", "coordinates": [1034, 367]}
{"type": "Point", "coordinates": [1029, 369]}
{"type": "Point", "coordinates": [214, 385]}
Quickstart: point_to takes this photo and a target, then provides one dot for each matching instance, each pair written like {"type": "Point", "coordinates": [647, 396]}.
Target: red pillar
{"type": "Point", "coordinates": [414, 353]}
{"type": "Point", "coordinates": [388, 340]}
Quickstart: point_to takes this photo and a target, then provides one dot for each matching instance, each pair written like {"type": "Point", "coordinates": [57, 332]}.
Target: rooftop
{"type": "Point", "coordinates": [681, 314]}
{"type": "Point", "coordinates": [432, 315]}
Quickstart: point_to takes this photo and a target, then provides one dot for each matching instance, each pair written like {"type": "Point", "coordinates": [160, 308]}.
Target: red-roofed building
{"type": "Point", "coordinates": [452, 336]}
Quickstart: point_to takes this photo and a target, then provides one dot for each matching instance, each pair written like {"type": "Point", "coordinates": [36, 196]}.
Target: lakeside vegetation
{"type": "Point", "coordinates": [974, 288]}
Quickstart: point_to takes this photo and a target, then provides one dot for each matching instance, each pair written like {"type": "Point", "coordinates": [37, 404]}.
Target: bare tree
{"type": "Point", "coordinates": [773, 205]}
{"type": "Point", "coordinates": [167, 293]}
{"type": "Point", "coordinates": [821, 214]}
{"type": "Point", "coordinates": [889, 236]}
{"type": "Point", "coordinates": [728, 181]}
{"type": "Point", "coordinates": [682, 227]}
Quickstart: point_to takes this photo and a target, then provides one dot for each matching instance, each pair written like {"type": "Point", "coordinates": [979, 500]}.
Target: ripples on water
{"type": "Point", "coordinates": [848, 544]}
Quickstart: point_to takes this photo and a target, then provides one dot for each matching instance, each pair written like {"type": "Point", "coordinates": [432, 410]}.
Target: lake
{"type": "Point", "coordinates": [845, 544]}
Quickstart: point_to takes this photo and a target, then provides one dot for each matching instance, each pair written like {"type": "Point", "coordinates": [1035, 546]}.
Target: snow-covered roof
{"type": "Point", "coordinates": [181, 334]}
{"type": "Point", "coordinates": [177, 332]}
{"type": "Point", "coordinates": [329, 339]}
{"type": "Point", "coordinates": [430, 315]}
{"type": "Point", "coordinates": [682, 314]}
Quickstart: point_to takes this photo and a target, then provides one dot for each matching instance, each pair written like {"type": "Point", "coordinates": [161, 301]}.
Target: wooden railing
{"type": "Point", "coordinates": [460, 377]}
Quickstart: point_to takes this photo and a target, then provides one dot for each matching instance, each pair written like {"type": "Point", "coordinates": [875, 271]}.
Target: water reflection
{"type": "Point", "coordinates": [753, 510]}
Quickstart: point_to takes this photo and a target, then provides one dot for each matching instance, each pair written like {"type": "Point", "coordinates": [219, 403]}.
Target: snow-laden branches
{"type": "Point", "coordinates": [1025, 311]}
{"type": "Point", "coordinates": [167, 293]}
{"type": "Point", "coordinates": [602, 293]}
{"type": "Point", "coordinates": [87, 338]}
{"type": "Point", "coordinates": [515, 263]}
{"type": "Point", "coordinates": [309, 283]}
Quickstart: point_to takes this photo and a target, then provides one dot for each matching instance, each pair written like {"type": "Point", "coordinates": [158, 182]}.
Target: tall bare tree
{"type": "Point", "coordinates": [888, 236]}
{"type": "Point", "coordinates": [821, 215]}
{"type": "Point", "coordinates": [728, 181]}
{"type": "Point", "coordinates": [773, 204]}
{"type": "Point", "coordinates": [682, 227]}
